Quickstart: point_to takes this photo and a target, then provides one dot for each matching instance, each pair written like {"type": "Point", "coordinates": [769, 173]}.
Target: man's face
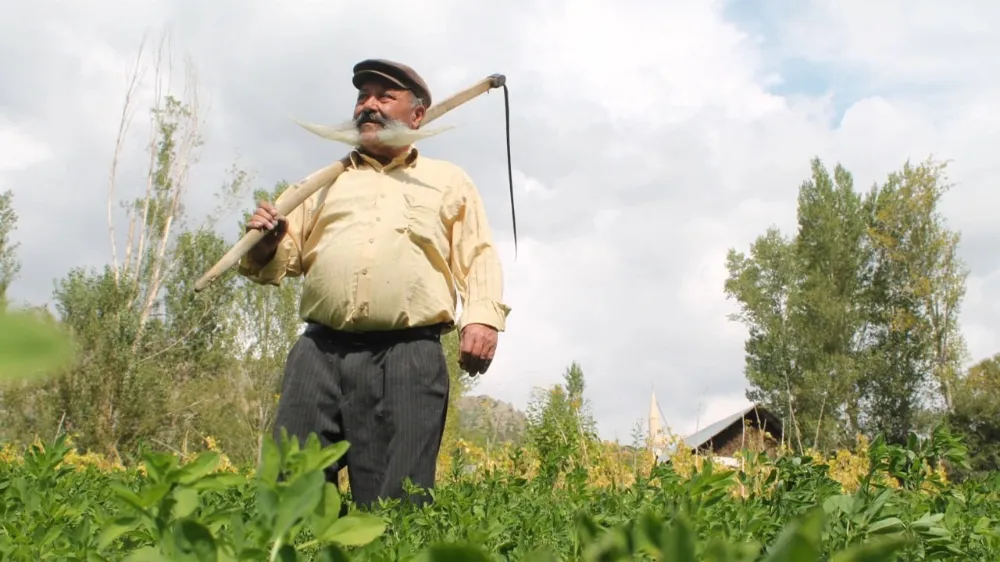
{"type": "Point", "coordinates": [385, 121]}
{"type": "Point", "coordinates": [379, 103]}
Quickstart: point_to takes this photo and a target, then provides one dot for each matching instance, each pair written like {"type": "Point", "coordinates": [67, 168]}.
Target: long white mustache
{"type": "Point", "coordinates": [393, 134]}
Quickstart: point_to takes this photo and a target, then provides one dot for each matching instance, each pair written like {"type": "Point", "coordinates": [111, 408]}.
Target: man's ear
{"type": "Point", "coordinates": [418, 116]}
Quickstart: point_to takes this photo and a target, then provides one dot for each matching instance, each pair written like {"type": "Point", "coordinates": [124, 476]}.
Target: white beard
{"type": "Point", "coordinates": [394, 135]}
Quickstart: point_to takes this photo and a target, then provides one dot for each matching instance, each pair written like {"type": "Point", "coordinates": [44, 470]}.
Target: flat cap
{"type": "Point", "coordinates": [395, 72]}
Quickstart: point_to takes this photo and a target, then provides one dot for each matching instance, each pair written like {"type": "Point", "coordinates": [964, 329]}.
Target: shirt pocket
{"type": "Point", "coordinates": [423, 214]}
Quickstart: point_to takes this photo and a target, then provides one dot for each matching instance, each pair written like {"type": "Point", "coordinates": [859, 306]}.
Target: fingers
{"type": "Point", "coordinates": [476, 351]}
{"type": "Point", "coordinates": [472, 365]}
{"type": "Point", "coordinates": [265, 217]}
{"type": "Point", "coordinates": [477, 345]}
{"type": "Point", "coordinates": [468, 363]}
{"type": "Point", "coordinates": [490, 350]}
{"type": "Point", "coordinates": [465, 341]}
{"type": "Point", "coordinates": [465, 359]}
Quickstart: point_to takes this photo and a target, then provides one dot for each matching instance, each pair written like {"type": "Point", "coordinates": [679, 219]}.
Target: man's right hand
{"type": "Point", "coordinates": [266, 218]}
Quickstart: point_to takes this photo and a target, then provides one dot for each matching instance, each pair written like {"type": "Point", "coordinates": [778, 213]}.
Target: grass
{"type": "Point", "coordinates": [57, 505]}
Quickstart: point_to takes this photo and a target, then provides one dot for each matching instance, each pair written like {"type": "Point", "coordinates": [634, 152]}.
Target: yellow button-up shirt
{"type": "Point", "coordinates": [384, 247]}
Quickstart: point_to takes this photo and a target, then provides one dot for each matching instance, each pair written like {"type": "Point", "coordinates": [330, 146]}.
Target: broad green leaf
{"type": "Point", "coordinates": [50, 535]}
{"type": "Point", "coordinates": [586, 529]}
{"type": "Point", "coordinates": [267, 502]}
{"type": "Point", "coordinates": [878, 503]}
{"type": "Point", "coordinates": [116, 528]}
{"type": "Point", "coordinates": [146, 554]}
{"type": "Point", "coordinates": [328, 510]}
{"type": "Point", "coordinates": [237, 530]}
{"type": "Point", "coordinates": [354, 529]}
{"type": "Point", "coordinates": [128, 497]}
{"type": "Point", "coordinates": [270, 461]}
{"type": "Point", "coordinates": [153, 494]}
{"type": "Point", "coordinates": [297, 501]}
{"type": "Point", "coordinates": [322, 459]}
{"type": "Point", "coordinates": [927, 521]}
{"type": "Point", "coordinates": [983, 525]}
{"type": "Point", "coordinates": [679, 541]}
{"type": "Point", "coordinates": [202, 465]}
{"type": "Point", "coordinates": [843, 503]}
{"type": "Point", "coordinates": [187, 502]}
{"type": "Point", "coordinates": [798, 541]}
{"type": "Point", "coordinates": [887, 525]}
{"type": "Point", "coordinates": [194, 542]}
{"type": "Point", "coordinates": [287, 553]}
{"type": "Point", "coordinates": [219, 481]}
{"type": "Point", "coordinates": [876, 551]}
{"type": "Point", "coordinates": [718, 549]}
{"type": "Point", "coordinates": [649, 534]}
{"type": "Point", "coordinates": [332, 553]}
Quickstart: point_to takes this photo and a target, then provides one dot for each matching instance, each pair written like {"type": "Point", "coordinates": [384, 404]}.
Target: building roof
{"type": "Point", "coordinates": [703, 436]}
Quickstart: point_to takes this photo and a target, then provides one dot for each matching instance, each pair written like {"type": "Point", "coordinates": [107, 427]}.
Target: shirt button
{"type": "Point", "coordinates": [378, 219]}
{"type": "Point", "coordinates": [364, 272]}
{"type": "Point", "coordinates": [371, 240]}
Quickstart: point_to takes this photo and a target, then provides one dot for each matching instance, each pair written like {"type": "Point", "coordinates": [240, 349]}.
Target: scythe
{"type": "Point", "coordinates": [298, 193]}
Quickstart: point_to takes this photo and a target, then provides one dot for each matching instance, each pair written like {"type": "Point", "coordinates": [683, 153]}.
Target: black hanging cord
{"type": "Point", "coordinates": [510, 173]}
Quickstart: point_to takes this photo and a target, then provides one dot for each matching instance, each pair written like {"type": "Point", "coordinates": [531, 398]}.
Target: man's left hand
{"type": "Point", "coordinates": [478, 344]}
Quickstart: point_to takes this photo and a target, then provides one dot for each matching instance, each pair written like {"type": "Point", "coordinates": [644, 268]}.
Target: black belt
{"type": "Point", "coordinates": [378, 337]}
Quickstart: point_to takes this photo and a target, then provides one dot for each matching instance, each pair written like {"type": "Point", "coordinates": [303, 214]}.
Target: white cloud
{"type": "Point", "coordinates": [893, 42]}
{"type": "Point", "coordinates": [19, 150]}
{"type": "Point", "coordinates": [648, 138]}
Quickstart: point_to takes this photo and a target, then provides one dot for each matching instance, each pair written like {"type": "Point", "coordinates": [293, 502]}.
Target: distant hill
{"type": "Point", "coordinates": [485, 419]}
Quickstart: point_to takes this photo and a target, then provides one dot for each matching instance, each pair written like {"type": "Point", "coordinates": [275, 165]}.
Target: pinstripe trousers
{"type": "Point", "coordinates": [385, 393]}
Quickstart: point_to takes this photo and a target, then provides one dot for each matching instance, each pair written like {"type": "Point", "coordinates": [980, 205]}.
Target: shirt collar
{"type": "Point", "coordinates": [406, 159]}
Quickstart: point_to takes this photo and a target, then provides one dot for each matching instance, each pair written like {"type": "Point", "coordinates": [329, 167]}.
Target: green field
{"type": "Point", "coordinates": [787, 508]}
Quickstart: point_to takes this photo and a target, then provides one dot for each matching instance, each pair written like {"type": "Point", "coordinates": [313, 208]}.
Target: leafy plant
{"type": "Point", "coordinates": [768, 510]}
{"type": "Point", "coordinates": [30, 346]}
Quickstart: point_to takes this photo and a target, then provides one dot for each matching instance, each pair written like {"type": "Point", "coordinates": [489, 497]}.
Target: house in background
{"type": "Point", "coordinates": [753, 428]}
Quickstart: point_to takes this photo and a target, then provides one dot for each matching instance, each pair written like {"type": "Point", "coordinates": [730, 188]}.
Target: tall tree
{"type": "Point", "coordinates": [9, 264]}
{"type": "Point", "coordinates": [560, 426]}
{"type": "Point", "coordinates": [142, 334]}
{"type": "Point", "coordinates": [916, 288]}
{"type": "Point", "coordinates": [852, 317]}
{"type": "Point", "coordinates": [110, 401]}
{"type": "Point", "coordinates": [763, 284]}
{"type": "Point", "coordinates": [830, 251]}
{"type": "Point", "coordinates": [976, 413]}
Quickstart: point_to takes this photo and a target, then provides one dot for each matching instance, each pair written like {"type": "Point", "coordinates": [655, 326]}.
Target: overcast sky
{"type": "Point", "coordinates": [647, 138]}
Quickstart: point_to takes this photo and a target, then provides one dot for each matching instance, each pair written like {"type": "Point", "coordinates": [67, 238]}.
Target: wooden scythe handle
{"type": "Point", "coordinates": [298, 193]}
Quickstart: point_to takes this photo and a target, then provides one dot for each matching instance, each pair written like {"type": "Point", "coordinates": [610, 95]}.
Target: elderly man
{"type": "Point", "coordinates": [382, 250]}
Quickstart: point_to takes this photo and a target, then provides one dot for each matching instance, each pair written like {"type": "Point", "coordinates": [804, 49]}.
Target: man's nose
{"type": "Point", "coordinates": [370, 104]}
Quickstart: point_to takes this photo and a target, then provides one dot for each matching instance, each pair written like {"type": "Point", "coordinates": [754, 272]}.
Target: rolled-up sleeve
{"type": "Point", "coordinates": [476, 265]}
{"type": "Point", "coordinates": [287, 258]}
{"type": "Point", "coordinates": [273, 271]}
